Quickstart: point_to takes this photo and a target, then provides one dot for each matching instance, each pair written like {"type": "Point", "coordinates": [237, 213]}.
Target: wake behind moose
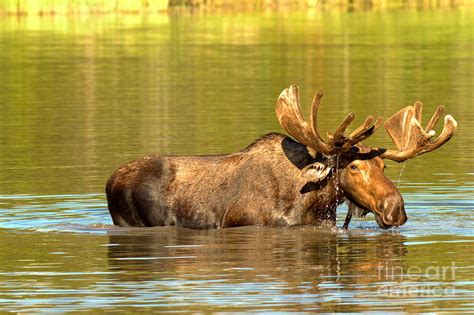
{"type": "Point", "coordinates": [278, 180]}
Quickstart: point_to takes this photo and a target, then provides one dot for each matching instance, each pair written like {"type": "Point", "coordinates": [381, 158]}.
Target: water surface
{"type": "Point", "coordinates": [81, 95]}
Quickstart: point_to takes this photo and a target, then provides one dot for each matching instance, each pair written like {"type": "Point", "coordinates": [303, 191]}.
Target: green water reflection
{"type": "Point", "coordinates": [82, 99]}
{"type": "Point", "coordinates": [81, 95]}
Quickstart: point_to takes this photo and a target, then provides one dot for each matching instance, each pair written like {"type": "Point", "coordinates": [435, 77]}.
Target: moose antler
{"type": "Point", "coordinates": [410, 138]}
{"type": "Point", "coordinates": [288, 111]}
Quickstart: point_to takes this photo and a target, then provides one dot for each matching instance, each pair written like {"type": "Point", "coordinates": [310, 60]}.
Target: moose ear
{"type": "Point", "coordinates": [315, 172]}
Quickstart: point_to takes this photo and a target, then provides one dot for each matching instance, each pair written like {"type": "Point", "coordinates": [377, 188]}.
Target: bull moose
{"type": "Point", "coordinates": [277, 181]}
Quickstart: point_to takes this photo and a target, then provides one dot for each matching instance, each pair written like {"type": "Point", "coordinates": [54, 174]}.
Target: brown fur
{"type": "Point", "coordinates": [258, 185]}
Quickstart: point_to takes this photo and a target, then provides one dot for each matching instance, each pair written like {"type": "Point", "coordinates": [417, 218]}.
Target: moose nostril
{"type": "Point", "coordinates": [386, 204]}
{"type": "Point", "coordinates": [383, 205]}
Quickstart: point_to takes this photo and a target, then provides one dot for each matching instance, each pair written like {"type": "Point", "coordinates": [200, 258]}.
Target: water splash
{"type": "Point", "coordinates": [336, 169]}
{"type": "Point", "coordinates": [336, 185]}
{"type": "Point", "coordinates": [401, 172]}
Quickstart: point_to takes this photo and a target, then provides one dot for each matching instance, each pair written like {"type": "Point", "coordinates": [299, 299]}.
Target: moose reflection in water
{"type": "Point", "coordinates": [247, 252]}
{"type": "Point", "coordinates": [277, 181]}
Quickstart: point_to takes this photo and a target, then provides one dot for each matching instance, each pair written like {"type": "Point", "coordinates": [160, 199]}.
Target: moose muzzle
{"type": "Point", "coordinates": [391, 211]}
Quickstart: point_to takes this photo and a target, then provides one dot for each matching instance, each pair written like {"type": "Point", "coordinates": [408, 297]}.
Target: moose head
{"type": "Point", "coordinates": [358, 169]}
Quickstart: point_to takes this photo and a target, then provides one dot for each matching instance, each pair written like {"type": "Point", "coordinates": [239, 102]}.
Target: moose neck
{"type": "Point", "coordinates": [320, 199]}
{"type": "Point", "coordinates": [323, 201]}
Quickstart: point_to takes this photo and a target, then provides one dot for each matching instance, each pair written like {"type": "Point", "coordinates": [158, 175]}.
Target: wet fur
{"type": "Point", "coordinates": [259, 185]}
